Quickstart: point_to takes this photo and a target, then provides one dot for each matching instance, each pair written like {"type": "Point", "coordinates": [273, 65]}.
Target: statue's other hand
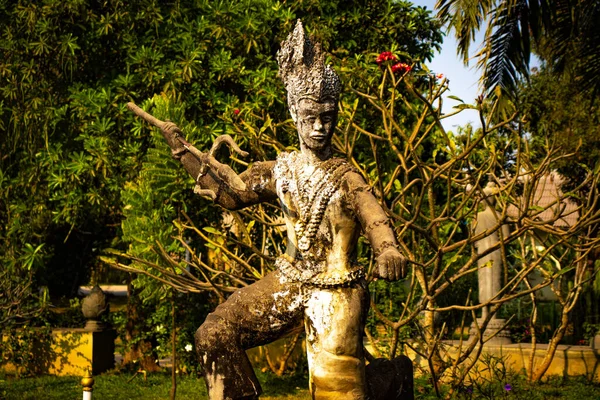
{"type": "Point", "coordinates": [391, 265]}
{"type": "Point", "coordinates": [171, 131]}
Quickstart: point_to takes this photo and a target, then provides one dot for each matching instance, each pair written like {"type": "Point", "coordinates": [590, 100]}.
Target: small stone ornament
{"type": "Point", "coordinates": [92, 307]}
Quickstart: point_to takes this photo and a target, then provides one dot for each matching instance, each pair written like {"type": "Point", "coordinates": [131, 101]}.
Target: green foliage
{"type": "Point", "coordinates": [559, 113]}
{"type": "Point", "coordinates": [494, 379]}
{"type": "Point", "coordinates": [26, 348]}
{"type": "Point", "coordinates": [590, 330]}
{"type": "Point", "coordinates": [69, 316]}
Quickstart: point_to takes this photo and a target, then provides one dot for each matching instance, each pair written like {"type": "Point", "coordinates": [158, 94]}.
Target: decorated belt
{"type": "Point", "coordinates": [314, 272]}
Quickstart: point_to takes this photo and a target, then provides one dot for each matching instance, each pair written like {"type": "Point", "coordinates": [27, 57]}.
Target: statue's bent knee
{"type": "Point", "coordinates": [227, 370]}
{"type": "Point", "coordinates": [212, 334]}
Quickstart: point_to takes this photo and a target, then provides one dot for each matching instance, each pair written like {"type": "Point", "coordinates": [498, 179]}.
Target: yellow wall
{"type": "Point", "coordinates": [567, 361]}
{"type": "Point", "coordinates": [71, 352]}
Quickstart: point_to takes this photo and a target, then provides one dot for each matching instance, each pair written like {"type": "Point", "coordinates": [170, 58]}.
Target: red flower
{"type": "Point", "coordinates": [236, 111]}
{"type": "Point", "coordinates": [401, 68]}
{"type": "Point", "coordinates": [440, 76]}
{"type": "Point", "coordinates": [385, 56]}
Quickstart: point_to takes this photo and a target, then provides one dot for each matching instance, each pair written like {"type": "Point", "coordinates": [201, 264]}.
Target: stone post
{"type": "Point", "coordinates": [490, 266]}
{"type": "Point", "coordinates": [101, 338]}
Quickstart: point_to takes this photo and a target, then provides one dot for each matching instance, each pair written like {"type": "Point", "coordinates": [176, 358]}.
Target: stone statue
{"type": "Point", "coordinates": [317, 281]}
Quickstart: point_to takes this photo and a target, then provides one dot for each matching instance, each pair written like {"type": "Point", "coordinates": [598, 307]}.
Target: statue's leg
{"type": "Point", "coordinates": [334, 323]}
{"type": "Point", "coordinates": [252, 316]}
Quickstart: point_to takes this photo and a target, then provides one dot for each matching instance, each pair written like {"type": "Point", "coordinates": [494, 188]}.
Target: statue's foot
{"type": "Point", "coordinates": [390, 379]}
{"type": "Point", "coordinates": [205, 192]}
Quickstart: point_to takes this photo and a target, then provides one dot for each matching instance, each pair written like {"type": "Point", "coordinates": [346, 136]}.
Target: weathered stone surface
{"type": "Point", "coordinates": [490, 265]}
{"type": "Point", "coordinates": [303, 71]}
{"type": "Point", "coordinates": [495, 333]}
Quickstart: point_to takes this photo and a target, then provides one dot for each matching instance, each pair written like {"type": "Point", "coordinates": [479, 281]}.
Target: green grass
{"type": "Point", "coordinates": [122, 386]}
{"type": "Point", "coordinates": [553, 388]}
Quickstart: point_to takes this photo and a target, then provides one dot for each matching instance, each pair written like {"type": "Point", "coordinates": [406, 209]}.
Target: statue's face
{"type": "Point", "coordinates": [315, 122]}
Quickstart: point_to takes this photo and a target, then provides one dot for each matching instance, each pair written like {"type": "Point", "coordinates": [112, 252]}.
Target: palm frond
{"type": "Point", "coordinates": [513, 27]}
{"type": "Point", "coordinates": [504, 57]}
{"type": "Point", "coordinates": [560, 44]}
{"type": "Point", "coordinates": [466, 18]}
{"type": "Point", "coordinates": [571, 44]}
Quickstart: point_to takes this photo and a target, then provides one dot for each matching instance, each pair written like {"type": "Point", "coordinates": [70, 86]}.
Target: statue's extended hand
{"type": "Point", "coordinates": [391, 265]}
{"type": "Point", "coordinates": [170, 131]}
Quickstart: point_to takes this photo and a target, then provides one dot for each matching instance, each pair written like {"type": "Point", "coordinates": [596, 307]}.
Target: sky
{"type": "Point", "coordinates": [463, 81]}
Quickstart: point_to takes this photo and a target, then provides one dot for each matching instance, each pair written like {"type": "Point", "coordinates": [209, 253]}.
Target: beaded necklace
{"type": "Point", "coordinates": [313, 197]}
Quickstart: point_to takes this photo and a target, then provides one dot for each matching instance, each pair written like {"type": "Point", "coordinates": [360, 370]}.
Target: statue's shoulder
{"type": "Point", "coordinates": [341, 161]}
{"type": "Point", "coordinates": [284, 164]}
{"type": "Point", "coordinates": [287, 156]}
{"type": "Point", "coordinates": [353, 181]}
{"type": "Point", "coordinates": [344, 168]}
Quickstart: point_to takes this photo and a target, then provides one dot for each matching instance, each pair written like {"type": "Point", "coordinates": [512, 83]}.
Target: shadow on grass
{"type": "Point", "coordinates": [287, 385]}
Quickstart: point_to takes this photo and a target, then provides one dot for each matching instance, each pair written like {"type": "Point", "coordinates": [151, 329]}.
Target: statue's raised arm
{"type": "Point", "coordinates": [214, 179]}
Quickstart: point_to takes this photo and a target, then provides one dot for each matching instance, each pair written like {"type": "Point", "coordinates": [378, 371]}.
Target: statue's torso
{"type": "Point", "coordinates": [322, 231]}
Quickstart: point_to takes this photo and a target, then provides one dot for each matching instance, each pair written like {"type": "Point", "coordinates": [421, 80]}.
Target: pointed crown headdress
{"type": "Point", "coordinates": [303, 71]}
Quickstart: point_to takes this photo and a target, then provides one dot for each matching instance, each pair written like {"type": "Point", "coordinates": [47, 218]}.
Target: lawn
{"type": "Point", "coordinates": [125, 386]}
